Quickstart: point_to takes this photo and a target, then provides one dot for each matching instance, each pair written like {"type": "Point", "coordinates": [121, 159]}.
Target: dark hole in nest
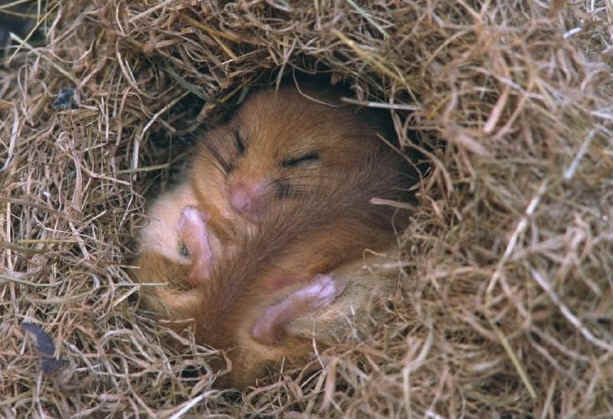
{"type": "Point", "coordinates": [193, 372]}
{"type": "Point", "coordinates": [232, 397]}
{"type": "Point", "coordinates": [133, 298]}
{"type": "Point", "coordinates": [389, 305]}
{"type": "Point", "coordinates": [166, 149]}
{"type": "Point", "coordinates": [536, 338]}
{"type": "Point", "coordinates": [512, 415]}
{"type": "Point", "coordinates": [20, 20]}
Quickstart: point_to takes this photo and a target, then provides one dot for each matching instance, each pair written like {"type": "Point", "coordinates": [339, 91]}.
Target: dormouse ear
{"type": "Point", "coordinates": [269, 327]}
{"type": "Point", "coordinates": [193, 232]}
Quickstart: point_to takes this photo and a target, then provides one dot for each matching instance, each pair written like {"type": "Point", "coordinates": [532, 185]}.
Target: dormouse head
{"type": "Point", "coordinates": [283, 145]}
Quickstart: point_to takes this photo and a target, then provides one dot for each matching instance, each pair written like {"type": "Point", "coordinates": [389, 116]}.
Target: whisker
{"type": "Point", "coordinates": [286, 190]}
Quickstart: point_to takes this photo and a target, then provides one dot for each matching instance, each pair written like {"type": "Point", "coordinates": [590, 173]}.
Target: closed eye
{"type": "Point", "coordinates": [240, 145]}
{"type": "Point", "coordinates": [305, 158]}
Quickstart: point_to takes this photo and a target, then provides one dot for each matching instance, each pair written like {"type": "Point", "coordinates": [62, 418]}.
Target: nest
{"type": "Point", "coordinates": [503, 305]}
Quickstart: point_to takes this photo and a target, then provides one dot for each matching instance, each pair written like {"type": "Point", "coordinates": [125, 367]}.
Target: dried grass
{"type": "Point", "coordinates": [505, 308]}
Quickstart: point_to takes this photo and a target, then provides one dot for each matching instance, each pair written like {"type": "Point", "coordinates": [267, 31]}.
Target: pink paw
{"type": "Point", "coordinates": [320, 292]}
{"type": "Point", "coordinates": [269, 328]}
{"type": "Point", "coordinates": [194, 234]}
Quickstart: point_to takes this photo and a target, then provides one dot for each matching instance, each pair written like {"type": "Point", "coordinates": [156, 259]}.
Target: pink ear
{"type": "Point", "coordinates": [269, 328]}
{"type": "Point", "coordinates": [193, 232]}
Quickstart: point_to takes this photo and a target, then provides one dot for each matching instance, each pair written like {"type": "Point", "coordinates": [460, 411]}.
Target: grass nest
{"type": "Point", "coordinates": [504, 306]}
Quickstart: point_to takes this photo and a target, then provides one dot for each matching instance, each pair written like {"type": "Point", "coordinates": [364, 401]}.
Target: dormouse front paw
{"type": "Point", "coordinates": [195, 237]}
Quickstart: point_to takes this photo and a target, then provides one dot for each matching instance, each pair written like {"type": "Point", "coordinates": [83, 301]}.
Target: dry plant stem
{"type": "Point", "coordinates": [570, 171]}
{"type": "Point", "coordinates": [521, 227]}
{"type": "Point", "coordinates": [52, 62]}
{"type": "Point", "coordinates": [514, 359]}
{"type": "Point", "coordinates": [12, 141]}
{"type": "Point", "coordinates": [185, 407]}
{"type": "Point", "coordinates": [398, 107]}
{"type": "Point", "coordinates": [542, 281]}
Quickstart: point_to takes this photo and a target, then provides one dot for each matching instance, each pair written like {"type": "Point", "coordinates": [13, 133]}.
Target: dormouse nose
{"type": "Point", "coordinates": [248, 198]}
{"type": "Point", "coordinates": [241, 198]}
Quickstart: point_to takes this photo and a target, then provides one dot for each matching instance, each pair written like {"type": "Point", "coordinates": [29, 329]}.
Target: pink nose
{"type": "Point", "coordinates": [241, 198]}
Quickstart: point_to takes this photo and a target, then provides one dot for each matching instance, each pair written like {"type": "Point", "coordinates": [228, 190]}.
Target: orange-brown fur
{"type": "Point", "coordinates": [285, 185]}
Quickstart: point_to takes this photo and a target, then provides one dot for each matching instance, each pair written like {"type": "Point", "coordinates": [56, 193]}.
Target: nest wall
{"type": "Point", "coordinates": [504, 304]}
